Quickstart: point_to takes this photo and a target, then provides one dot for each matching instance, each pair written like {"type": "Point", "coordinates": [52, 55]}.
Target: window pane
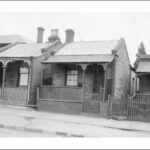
{"type": "Point", "coordinates": [23, 79]}
{"type": "Point", "coordinates": [23, 70]}
{"type": "Point", "coordinates": [68, 83]}
{"type": "Point", "coordinates": [74, 82]}
{"type": "Point", "coordinates": [68, 77]}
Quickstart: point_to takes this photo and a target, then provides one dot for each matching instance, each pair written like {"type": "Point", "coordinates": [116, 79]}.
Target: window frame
{"type": "Point", "coordinates": [73, 77]}
{"type": "Point", "coordinates": [23, 73]}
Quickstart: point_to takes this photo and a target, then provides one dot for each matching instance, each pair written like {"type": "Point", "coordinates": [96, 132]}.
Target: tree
{"type": "Point", "coordinates": [141, 49]}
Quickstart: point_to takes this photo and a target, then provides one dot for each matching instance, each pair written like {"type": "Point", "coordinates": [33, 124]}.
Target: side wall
{"type": "Point", "coordinates": [37, 71]}
{"type": "Point", "coordinates": [36, 74]}
{"type": "Point", "coordinates": [122, 71]}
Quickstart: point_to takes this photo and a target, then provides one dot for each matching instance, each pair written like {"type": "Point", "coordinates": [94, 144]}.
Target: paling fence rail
{"type": "Point", "coordinates": [133, 108]}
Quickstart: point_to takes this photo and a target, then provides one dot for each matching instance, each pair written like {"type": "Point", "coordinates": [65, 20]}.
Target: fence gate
{"type": "Point", "coordinates": [91, 103]}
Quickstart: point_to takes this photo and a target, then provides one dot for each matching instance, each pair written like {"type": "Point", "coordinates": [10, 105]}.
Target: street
{"type": "Point", "coordinates": [21, 122]}
{"type": "Point", "coordinates": [104, 132]}
{"type": "Point", "coordinates": [14, 133]}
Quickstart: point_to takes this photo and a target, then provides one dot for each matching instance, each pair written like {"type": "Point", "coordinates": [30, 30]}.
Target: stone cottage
{"type": "Point", "coordinates": [83, 75]}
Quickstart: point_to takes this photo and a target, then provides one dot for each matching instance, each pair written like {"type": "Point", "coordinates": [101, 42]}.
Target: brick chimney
{"type": "Point", "coordinates": [40, 31]}
{"type": "Point", "coordinates": [69, 35]}
{"type": "Point", "coordinates": [54, 35]}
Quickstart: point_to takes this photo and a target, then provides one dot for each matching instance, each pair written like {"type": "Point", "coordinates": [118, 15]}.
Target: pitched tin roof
{"type": "Point", "coordinates": [25, 50]}
{"type": "Point", "coordinates": [88, 48]}
{"type": "Point", "coordinates": [13, 39]}
{"type": "Point", "coordinates": [92, 51]}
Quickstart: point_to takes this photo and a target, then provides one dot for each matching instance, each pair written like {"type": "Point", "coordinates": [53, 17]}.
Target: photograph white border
{"type": "Point", "coordinates": [74, 6]}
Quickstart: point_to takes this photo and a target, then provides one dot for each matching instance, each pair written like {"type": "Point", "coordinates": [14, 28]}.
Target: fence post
{"type": "Point", "coordinates": [128, 99]}
{"type": "Point", "coordinates": [109, 105]}
{"type": "Point", "coordinates": [38, 94]}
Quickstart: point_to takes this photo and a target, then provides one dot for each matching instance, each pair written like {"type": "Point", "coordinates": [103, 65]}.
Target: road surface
{"type": "Point", "coordinates": [14, 133]}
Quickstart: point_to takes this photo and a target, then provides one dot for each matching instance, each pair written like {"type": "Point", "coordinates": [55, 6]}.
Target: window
{"type": "Point", "coordinates": [23, 77]}
{"type": "Point", "coordinates": [72, 77]}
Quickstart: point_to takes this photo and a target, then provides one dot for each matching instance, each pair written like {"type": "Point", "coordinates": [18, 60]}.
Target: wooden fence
{"type": "Point", "coordinates": [14, 95]}
{"type": "Point", "coordinates": [133, 108]}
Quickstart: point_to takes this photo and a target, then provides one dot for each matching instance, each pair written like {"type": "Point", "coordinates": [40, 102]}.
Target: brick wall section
{"type": "Point", "coordinates": [37, 71]}
{"type": "Point", "coordinates": [122, 71]}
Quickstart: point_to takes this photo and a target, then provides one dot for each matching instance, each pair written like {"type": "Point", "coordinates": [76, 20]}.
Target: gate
{"type": "Point", "coordinates": [91, 103]}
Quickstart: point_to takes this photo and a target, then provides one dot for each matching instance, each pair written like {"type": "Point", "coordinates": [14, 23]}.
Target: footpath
{"type": "Point", "coordinates": [67, 125]}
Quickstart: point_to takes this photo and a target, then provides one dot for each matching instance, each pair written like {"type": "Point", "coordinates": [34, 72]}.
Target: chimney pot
{"type": "Point", "coordinates": [40, 31]}
{"type": "Point", "coordinates": [69, 35]}
{"type": "Point", "coordinates": [54, 35]}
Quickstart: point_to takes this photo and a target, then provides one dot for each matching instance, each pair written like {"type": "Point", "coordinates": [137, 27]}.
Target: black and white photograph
{"type": "Point", "coordinates": [74, 74]}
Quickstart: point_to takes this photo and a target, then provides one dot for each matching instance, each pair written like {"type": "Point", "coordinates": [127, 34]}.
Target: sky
{"type": "Point", "coordinates": [133, 27]}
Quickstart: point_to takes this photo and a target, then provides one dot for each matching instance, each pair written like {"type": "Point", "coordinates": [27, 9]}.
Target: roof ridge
{"type": "Point", "coordinates": [94, 41]}
{"type": "Point", "coordinates": [84, 55]}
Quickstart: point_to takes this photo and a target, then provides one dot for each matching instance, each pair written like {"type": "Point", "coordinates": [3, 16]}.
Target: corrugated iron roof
{"type": "Point", "coordinates": [144, 56]}
{"type": "Point", "coordinates": [14, 38]}
{"type": "Point", "coordinates": [80, 58]}
{"type": "Point", "coordinates": [143, 66]}
{"type": "Point", "coordinates": [25, 50]}
{"type": "Point", "coordinates": [88, 48]}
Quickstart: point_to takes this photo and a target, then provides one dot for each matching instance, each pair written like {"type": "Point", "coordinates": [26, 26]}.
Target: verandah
{"type": "Point", "coordinates": [14, 81]}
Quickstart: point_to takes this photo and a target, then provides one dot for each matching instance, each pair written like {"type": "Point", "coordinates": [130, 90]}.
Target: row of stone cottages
{"type": "Point", "coordinates": [72, 77]}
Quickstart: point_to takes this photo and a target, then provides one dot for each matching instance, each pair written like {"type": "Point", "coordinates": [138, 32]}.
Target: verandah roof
{"type": "Point", "coordinates": [88, 48]}
{"type": "Point", "coordinates": [143, 66]}
{"type": "Point", "coordinates": [80, 58]}
{"type": "Point", "coordinates": [25, 50]}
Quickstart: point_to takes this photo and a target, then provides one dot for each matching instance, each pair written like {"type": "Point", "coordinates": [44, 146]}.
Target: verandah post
{"type": "Point", "coordinates": [3, 82]}
{"type": "Point", "coordinates": [83, 83]}
{"type": "Point", "coordinates": [105, 80]}
{"type": "Point", "coordinates": [83, 66]}
{"type": "Point", "coordinates": [4, 74]}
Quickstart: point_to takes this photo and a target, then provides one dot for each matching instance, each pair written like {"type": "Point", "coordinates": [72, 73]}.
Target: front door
{"type": "Point", "coordinates": [92, 97]}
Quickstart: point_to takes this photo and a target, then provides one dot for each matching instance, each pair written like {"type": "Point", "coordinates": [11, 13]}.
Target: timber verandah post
{"type": "Point", "coordinates": [30, 62]}
{"type": "Point", "coordinates": [83, 66]}
{"type": "Point", "coordinates": [3, 81]}
{"type": "Point", "coordinates": [4, 74]}
{"type": "Point", "coordinates": [105, 67]}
